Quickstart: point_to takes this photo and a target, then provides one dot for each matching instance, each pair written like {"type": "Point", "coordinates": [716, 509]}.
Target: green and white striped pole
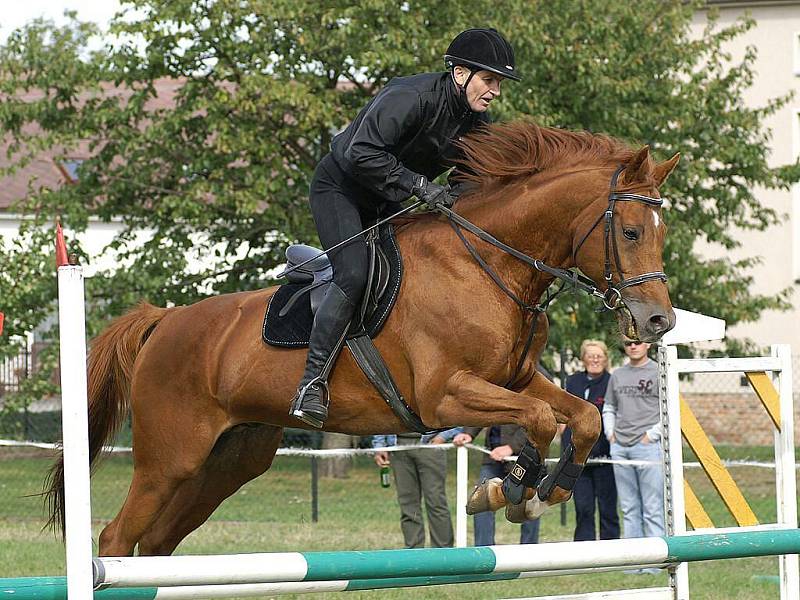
{"type": "Point", "coordinates": [156, 571]}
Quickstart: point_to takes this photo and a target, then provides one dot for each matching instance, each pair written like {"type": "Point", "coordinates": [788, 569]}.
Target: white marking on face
{"type": "Point", "coordinates": [655, 219]}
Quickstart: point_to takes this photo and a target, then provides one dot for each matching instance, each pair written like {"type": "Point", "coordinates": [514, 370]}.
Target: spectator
{"type": "Point", "coordinates": [596, 483]}
{"type": "Point", "coordinates": [632, 424]}
{"type": "Point", "coordinates": [502, 441]}
{"type": "Point", "coordinates": [420, 473]}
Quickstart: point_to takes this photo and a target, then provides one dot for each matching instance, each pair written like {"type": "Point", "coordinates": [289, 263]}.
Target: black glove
{"type": "Point", "coordinates": [432, 193]}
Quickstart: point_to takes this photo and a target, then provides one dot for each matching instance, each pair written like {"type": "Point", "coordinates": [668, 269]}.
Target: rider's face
{"type": "Point", "coordinates": [482, 89]}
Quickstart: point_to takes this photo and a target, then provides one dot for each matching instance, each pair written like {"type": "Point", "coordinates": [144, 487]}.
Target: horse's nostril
{"type": "Point", "coordinates": [659, 323]}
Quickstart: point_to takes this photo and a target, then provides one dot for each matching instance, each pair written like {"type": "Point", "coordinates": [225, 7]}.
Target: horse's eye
{"type": "Point", "coordinates": [630, 234]}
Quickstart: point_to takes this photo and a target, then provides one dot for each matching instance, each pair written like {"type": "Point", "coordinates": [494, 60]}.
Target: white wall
{"type": "Point", "coordinates": [776, 39]}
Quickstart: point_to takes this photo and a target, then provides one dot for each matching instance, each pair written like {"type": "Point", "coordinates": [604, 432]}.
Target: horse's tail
{"type": "Point", "coordinates": [110, 368]}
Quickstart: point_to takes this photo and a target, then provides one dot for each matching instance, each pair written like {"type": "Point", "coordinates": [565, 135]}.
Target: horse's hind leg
{"type": "Point", "coordinates": [168, 450]}
{"type": "Point", "coordinates": [241, 454]}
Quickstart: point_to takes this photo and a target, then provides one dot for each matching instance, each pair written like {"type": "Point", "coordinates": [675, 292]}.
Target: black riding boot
{"type": "Point", "coordinates": [310, 404]}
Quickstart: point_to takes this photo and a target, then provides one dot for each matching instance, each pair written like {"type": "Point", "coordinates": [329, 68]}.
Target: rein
{"type": "Point", "coordinates": [570, 279]}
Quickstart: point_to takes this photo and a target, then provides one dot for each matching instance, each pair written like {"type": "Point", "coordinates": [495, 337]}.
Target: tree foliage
{"type": "Point", "coordinates": [257, 89]}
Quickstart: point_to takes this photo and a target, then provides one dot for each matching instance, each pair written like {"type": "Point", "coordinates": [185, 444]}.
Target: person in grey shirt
{"type": "Point", "coordinates": [632, 424]}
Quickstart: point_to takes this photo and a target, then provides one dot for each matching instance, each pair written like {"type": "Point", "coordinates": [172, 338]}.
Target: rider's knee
{"type": "Point", "coordinates": [352, 279]}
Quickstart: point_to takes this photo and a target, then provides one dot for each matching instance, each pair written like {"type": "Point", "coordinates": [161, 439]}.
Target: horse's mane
{"type": "Point", "coordinates": [497, 154]}
{"type": "Point", "coordinates": [509, 150]}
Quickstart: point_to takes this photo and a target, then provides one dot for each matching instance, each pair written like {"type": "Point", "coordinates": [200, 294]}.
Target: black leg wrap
{"type": "Point", "coordinates": [527, 472]}
{"type": "Point", "coordinates": [564, 475]}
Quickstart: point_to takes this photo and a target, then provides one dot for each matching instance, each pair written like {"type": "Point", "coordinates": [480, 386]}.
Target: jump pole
{"type": "Point", "coordinates": [150, 571]}
{"type": "Point", "coordinates": [75, 425]}
{"type": "Point", "coordinates": [54, 588]}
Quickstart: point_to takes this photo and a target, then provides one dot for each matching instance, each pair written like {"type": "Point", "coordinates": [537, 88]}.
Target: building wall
{"type": "Point", "coordinates": [775, 36]}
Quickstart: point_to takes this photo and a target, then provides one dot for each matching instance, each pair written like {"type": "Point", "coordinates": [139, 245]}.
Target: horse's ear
{"type": "Point", "coordinates": [662, 170]}
{"type": "Point", "coordinates": [639, 167]}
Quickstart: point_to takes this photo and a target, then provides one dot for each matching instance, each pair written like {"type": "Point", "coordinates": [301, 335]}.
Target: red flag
{"type": "Point", "coordinates": [2, 317]}
{"type": "Point", "coordinates": [61, 247]}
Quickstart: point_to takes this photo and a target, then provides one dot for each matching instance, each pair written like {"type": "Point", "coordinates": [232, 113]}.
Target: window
{"type": "Point", "coordinates": [69, 168]}
{"type": "Point", "coordinates": [796, 53]}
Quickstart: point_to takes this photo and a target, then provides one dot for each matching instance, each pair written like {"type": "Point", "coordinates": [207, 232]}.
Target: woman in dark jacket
{"type": "Point", "coordinates": [596, 483]}
{"type": "Point", "coordinates": [399, 142]}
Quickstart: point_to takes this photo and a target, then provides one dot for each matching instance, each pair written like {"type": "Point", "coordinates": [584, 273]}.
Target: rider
{"type": "Point", "coordinates": [399, 142]}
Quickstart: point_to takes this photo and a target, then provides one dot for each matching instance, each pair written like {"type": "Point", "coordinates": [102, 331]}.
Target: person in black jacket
{"type": "Point", "coordinates": [399, 142]}
{"type": "Point", "coordinates": [596, 483]}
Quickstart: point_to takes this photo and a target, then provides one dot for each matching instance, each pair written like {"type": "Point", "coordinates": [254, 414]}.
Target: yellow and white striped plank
{"type": "Point", "coordinates": [695, 513]}
{"type": "Point", "coordinates": [712, 464]}
{"type": "Point", "coordinates": [766, 392]}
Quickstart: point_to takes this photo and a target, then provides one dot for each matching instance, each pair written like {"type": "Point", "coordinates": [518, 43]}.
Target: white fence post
{"type": "Point", "coordinates": [672, 444]}
{"type": "Point", "coordinates": [785, 470]}
{"type": "Point", "coordinates": [75, 428]}
{"type": "Point", "coordinates": [462, 484]}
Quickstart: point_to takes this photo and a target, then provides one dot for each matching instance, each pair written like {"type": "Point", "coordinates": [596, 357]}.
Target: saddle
{"type": "Point", "coordinates": [290, 312]}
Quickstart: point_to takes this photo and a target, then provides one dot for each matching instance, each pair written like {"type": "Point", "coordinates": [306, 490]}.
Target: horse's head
{"type": "Point", "coordinates": [618, 242]}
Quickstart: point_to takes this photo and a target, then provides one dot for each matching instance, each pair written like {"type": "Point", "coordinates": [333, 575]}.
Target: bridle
{"type": "Point", "coordinates": [612, 298]}
{"type": "Point", "coordinates": [570, 279]}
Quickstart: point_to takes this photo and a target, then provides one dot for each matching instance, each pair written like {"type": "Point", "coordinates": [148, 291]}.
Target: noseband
{"type": "Point", "coordinates": [612, 298]}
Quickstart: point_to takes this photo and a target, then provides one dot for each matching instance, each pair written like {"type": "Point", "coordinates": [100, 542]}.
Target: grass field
{"type": "Point", "coordinates": [273, 513]}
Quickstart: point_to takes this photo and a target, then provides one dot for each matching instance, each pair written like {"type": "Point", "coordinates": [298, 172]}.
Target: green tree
{"type": "Point", "coordinates": [256, 90]}
{"type": "Point", "coordinates": [633, 70]}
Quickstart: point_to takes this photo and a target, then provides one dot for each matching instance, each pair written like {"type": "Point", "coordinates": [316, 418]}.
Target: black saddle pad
{"type": "Point", "coordinates": [294, 328]}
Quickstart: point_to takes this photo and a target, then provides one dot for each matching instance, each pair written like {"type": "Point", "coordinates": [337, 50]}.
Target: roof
{"type": "Point", "coordinates": [44, 171]}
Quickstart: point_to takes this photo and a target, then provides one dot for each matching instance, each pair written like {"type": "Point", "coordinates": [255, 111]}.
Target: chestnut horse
{"type": "Point", "coordinates": [209, 400]}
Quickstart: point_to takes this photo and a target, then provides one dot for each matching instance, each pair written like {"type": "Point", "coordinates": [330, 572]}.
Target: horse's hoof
{"type": "Point", "coordinates": [515, 513]}
{"type": "Point", "coordinates": [535, 507]}
{"type": "Point", "coordinates": [480, 499]}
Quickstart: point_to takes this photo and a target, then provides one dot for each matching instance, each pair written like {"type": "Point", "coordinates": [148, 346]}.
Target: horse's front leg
{"type": "Point", "coordinates": [584, 420]}
{"type": "Point", "coordinates": [472, 401]}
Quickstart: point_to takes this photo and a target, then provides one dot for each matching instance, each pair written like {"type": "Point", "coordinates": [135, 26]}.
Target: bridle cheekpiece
{"type": "Point", "coordinates": [612, 298]}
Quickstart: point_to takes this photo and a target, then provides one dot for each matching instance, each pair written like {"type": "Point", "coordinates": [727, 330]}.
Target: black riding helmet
{"type": "Point", "coordinates": [482, 49]}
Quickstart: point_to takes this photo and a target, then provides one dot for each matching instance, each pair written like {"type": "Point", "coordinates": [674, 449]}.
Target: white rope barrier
{"type": "Point", "coordinates": [343, 452]}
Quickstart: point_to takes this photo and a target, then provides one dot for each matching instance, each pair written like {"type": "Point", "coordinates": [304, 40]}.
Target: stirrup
{"type": "Point", "coordinates": [315, 414]}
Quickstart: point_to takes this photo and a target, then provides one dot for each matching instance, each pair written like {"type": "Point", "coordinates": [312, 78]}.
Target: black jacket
{"type": "Point", "coordinates": [407, 130]}
{"type": "Point", "coordinates": [577, 384]}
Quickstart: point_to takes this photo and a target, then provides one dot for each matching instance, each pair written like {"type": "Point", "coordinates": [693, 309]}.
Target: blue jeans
{"type": "Point", "coordinates": [484, 522]}
{"type": "Point", "coordinates": [640, 489]}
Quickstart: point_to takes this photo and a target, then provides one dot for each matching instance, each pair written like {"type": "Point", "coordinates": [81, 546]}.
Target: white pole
{"type": "Point", "coordinates": [462, 485]}
{"type": "Point", "coordinates": [75, 427]}
{"type": "Point", "coordinates": [672, 442]}
{"type": "Point", "coordinates": [785, 471]}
